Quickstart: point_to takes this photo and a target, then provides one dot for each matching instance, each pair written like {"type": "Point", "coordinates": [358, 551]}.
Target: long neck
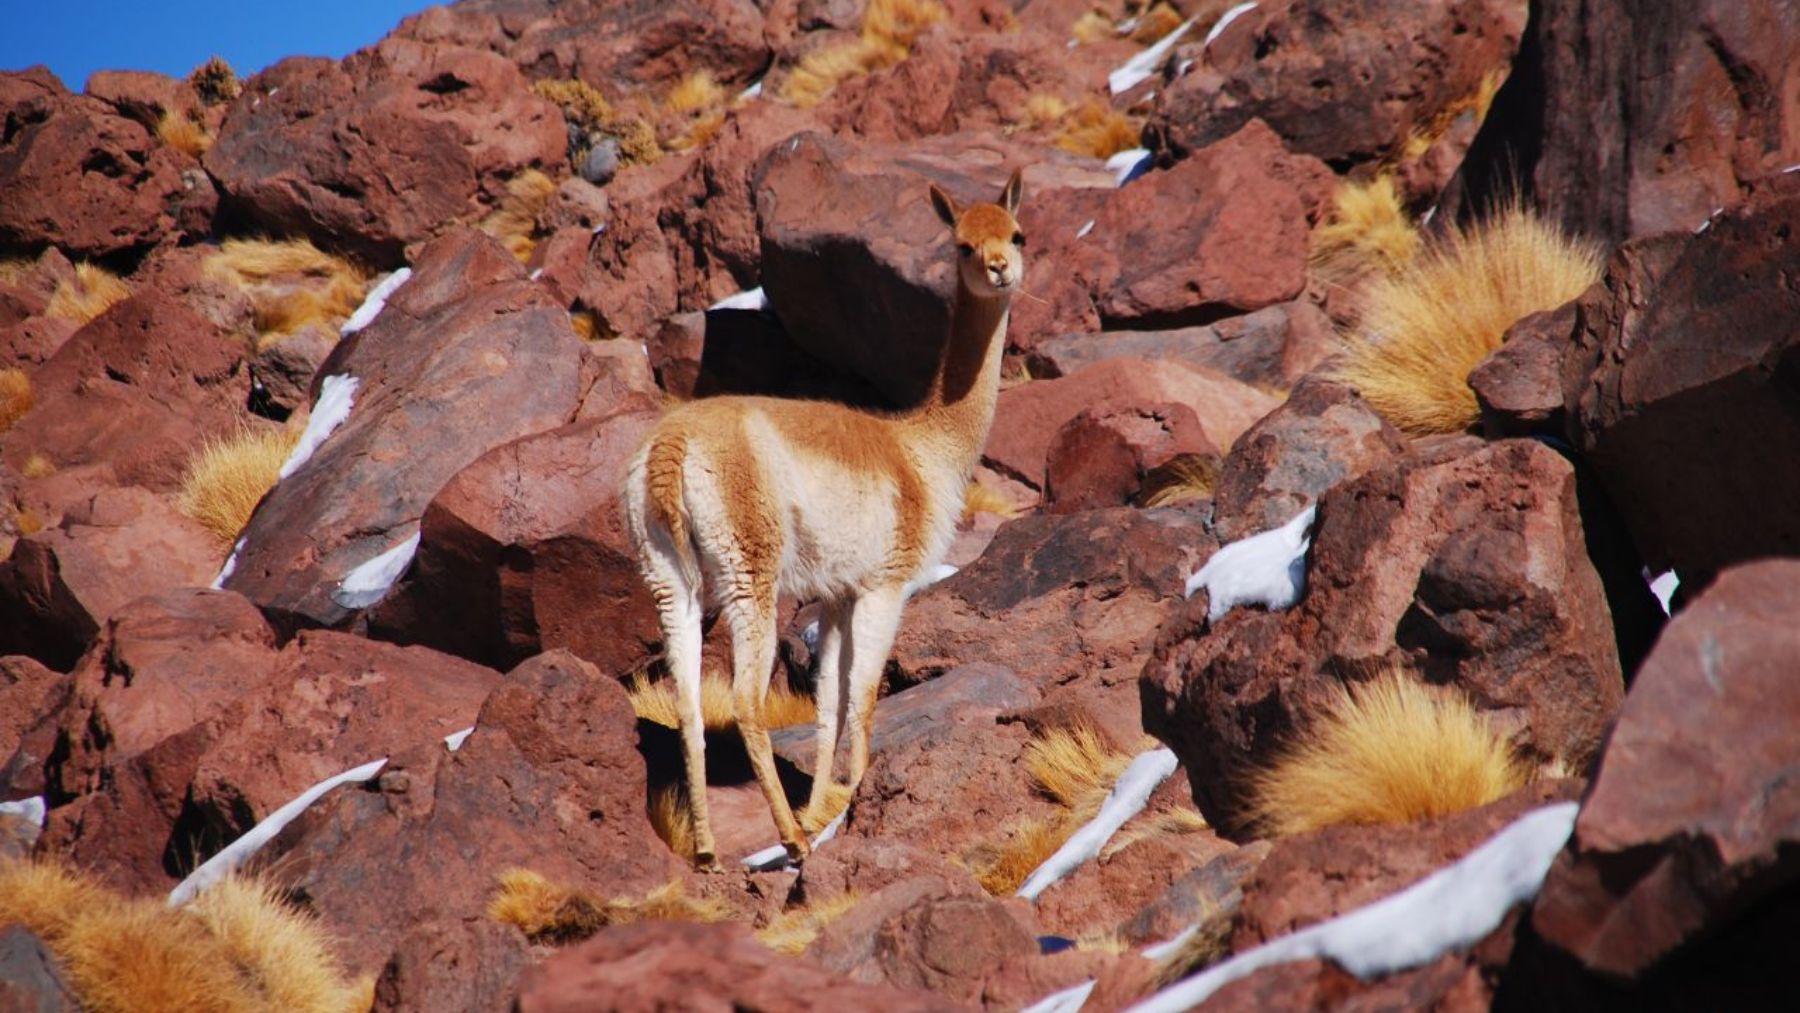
{"type": "Point", "coordinates": [959, 408]}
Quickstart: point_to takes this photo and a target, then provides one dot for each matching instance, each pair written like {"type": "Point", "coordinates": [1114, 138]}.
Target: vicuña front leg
{"type": "Point", "coordinates": [679, 609]}
{"type": "Point", "coordinates": [830, 664]}
{"type": "Point", "coordinates": [875, 619]}
{"type": "Point", "coordinates": [753, 660]}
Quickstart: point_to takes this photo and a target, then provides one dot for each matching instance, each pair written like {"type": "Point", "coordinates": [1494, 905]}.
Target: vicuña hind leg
{"type": "Point", "coordinates": [875, 619]}
{"type": "Point", "coordinates": [678, 606]}
{"type": "Point", "coordinates": [752, 621]}
{"type": "Point", "coordinates": [831, 664]}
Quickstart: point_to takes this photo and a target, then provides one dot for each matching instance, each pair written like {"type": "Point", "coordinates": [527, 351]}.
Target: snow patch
{"type": "Point", "coordinates": [775, 856]}
{"type": "Point", "coordinates": [1267, 569]}
{"type": "Point", "coordinates": [230, 566]}
{"type": "Point", "coordinates": [455, 740]}
{"type": "Point", "coordinates": [374, 303]}
{"type": "Point", "coordinates": [1069, 1000]}
{"type": "Point", "coordinates": [928, 578]}
{"type": "Point", "coordinates": [1663, 587]}
{"type": "Point", "coordinates": [239, 851]}
{"type": "Point", "coordinates": [1129, 164]}
{"type": "Point", "coordinates": [1166, 949]}
{"type": "Point", "coordinates": [29, 808]}
{"type": "Point", "coordinates": [369, 582]}
{"type": "Point", "coordinates": [754, 91]}
{"type": "Point", "coordinates": [1082, 232]}
{"type": "Point", "coordinates": [1225, 21]}
{"type": "Point", "coordinates": [1430, 213]}
{"type": "Point", "coordinates": [1453, 907]}
{"type": "Point", "coordinates": [537, 273]}
{"type": "Point", "coordinates": [1141, 66]}
{"type": "Point", "coordinates": [336, 396]}
{"type": "Point", "coordinates": [1126, 800]}
{"type": "Point", "coordinates": [754, 299]}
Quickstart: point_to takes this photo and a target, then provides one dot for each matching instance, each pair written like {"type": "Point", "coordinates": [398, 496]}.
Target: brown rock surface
{"type": "Point", "coordinates": [1691, 818]}
{"type": "Point", "coordinates": [31, 979]}
{"type": "Point", "coordinates": [29, 693]}
{"type": "Point", "coordinates": [525, 551]}
{"type": "Point", "coordinates": [1275, 345]}
{"type": "Point", "coordinates": [941, 936]}
{"type": "Point", "coordinates": [1519, 387]}
{"type": "Point", "coordinates": [453, 963]}
{"type": "Point", "coordinates": [1678, 387]}
{"type": "Point", "coordinates": [1465, 559]}
{"type": "Point", "coordinates": [467, 356]}
{"type": "Point", "coordinates": [669, 965]}
{"type": "Point", "coordinates": [1101, 456]}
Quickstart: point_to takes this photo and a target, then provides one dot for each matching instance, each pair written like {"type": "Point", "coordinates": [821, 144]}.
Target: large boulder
{"type": "Point", "coordinates": [1677, 392]}
{"type": "Point", "coordinates": [467, 355]}
{"type": "Point", "coordinates": [1692, 819]}
{"type": "Point", "coordinates": [1101, 457]}
{"type": "Point", "coordinates": [1273, 346]}
{"type": "Point", "coordinates": [1465, 560]}
{"type": "Point", "coordinates": [382, 150]}
{"type": "Point", "coordinates": [1577, 131]}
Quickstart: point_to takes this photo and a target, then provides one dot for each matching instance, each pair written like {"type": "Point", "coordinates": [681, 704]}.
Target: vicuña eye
{"type": "Point", "coordinates": [968, 249]}
{"type": "Point", "coordinates": [1019, 239]}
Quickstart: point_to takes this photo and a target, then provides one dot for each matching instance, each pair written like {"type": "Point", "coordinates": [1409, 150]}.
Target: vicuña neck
{"type": "Point", "coordinates": [959, 407]}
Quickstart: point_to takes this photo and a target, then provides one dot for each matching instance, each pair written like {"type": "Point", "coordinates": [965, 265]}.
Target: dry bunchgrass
{"type": "Point", "coordinates": [981, 499]}
{"type": "Point", "coordinates": [1074, 766]}
{"type": "Point", "coordinates": [793, 930]}
{"type": "Point", "coordinates": [656, 702]}
{"type": "Point", "coordinates": [236, 948]}
{"type": "Point", "coordinates": [514, 221]}
{"type": "Point", "coordinates": [291, 283]}
{"type": "Point", "coordinates": [583, 105]}
{"type": "Point", "coordinates": [836, 800]}
{"type": "Point", "coordinates": [1427, 325]}
{"type": "Point", "coordinates": [1043, 110]}
{"type": "Point", "coordinates": [37, 466]}
{"type": "Point", "coordinates": [14, 270]}
{"type": "Point", "coordinates": [15, 397]}
{"type": "Point", "coordinates": [1096, 128]}
{"type": "Point", "coordinates": [693, 111]}
{"type": "Point", "coordinates": [554, 913]}
{"type": "Point", "coordinates": [1002, 867]}
{"type": "Point", "coordinates": [214, 81]}
{"type": "Point", "coordinates": [586, 326]}
{"type": "Point", "coordinates": [1419, 140]}
{"type": "Point", "coordinates": [183, 133]}
{"type": "Point", "coordinates": [673, 819]}
{"type": "Point", "coordinates": [1093, 27]}
{"type": "Point", "coordinates": [1174, 821]}
{"type": "Point", "coordinates": [1155, 23]}
{"type": "Point", "coordinates": [1179, 479]}
{"type": "Point", "coordinates": [226, 478]}
{"type": "Point", "coordinates": [1209, 943]}
{"type": "Point", "coordinates": [1367, 230]}
{"type": "Point", "coordinates": [1392, 750]}
{"type": "Point", "coordinates": [86, 295]}
{"type": "Point", "coordinates": [889, 29]}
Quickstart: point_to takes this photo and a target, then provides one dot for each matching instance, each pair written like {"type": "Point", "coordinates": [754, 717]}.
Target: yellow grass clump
{"type": "Point", "coordinates": [793, 930]}
{"type": "Point", "coordinates": [15, 397]}
{"type": "Point", "coordinates": [1366, 230]}
{"type": "Point", "coordinates": [1419, 140]}
{"type": "Point", "coordinates": [586, 326]}
{"type": "Point", "coordinates": [1390, 751]}
{"type": "Point", "coordinates": [889, 29]}
{"type": "Point", "coordinates": [14, 269]}
{"type": "Point", "coordinates": [1171, 822]}
{"type": "Point", "coordinates": [182, 133]}
{"type": "Point", "coordinates": [656, 702]}
{"type": "Point", "coordinates": [214, 81]}
{"type": "Point", "coordinates": [226, 478]}
{"type": "Point", "coordinates": [1096, 128]}
{"type": "Point", "coordinates": [982, 499]}
{"type": "Point", "coordinates": [583, 105]}
{"type": "Point", "coordinates": [237, 947]}
{"type": "Point", "coordinates": [1042, 110]}
{"type": "Point", "coordinates": [673, 819]}
{"type": "Point", "coordinates": [696, 106]}
{"type": "Point", "coordinates": [91, 291]}
{"type": "Point", "coordinates": [291, 284]}
{"type": "Point", "coordinates": [37, 466]}
{"type": "Point", "coordinates": [1155, 23]}
{"type": "Point", "coordinates": [1426, 326]}
{"type": "Point", "coordinates": [1074, 766]}
{"type": "Point", "coordinates": [1179, 479]}
{"type": "Point", "coordinates": [1093, 27]}
{"type": "Point", "coordinates": [514, 221]}
{"type": "Point", "coordinates": [1002, 867]}
{"type": "Point", "coordinates": [554, 913]}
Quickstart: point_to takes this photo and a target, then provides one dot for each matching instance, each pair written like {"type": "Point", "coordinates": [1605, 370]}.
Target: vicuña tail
{"type": "Point", "coordinates": [663, 488]}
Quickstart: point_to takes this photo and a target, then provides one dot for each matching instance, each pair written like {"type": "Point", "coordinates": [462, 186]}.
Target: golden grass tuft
{"type": "Point", "coordinates": [1425, 327]}
{"type": "Point", "coordinates": [696, 93]}
{"type": "Point", "coordinates": [514, 220]}
{"type": "Point", "coordinates": [1155, 23]}
{"type": "Point", "coordinates": [15, 397]}
{"type": "Point", "coordinates": [889, 29]}
{"type": "Point", "coordinates": [656, 702]}
{"type": "Point", "coordinates": [1096, 128]}
{"type": "Point", "coordinates": [837, 799]}
{"type": "Point", "coordinates": [981, 499]}
{"type": "Point", "coordinates": [586, 325]}
{"type": "Point", "coordinates": [1420, 139]}
{"type": "Point", "coordinates": [215, 82]}
{"type": "Point", "coordinates": [793, 930]}
{"type": "Point", "coordinates": [292, 284]}
{"type": "Point", "coordinates": [693, 111]}
{"type": "Point", "coordinates": [1002, 867]}
{"type": "Point", "coordinates": [1391, 750]}
{"type": "Point", "coordinates": [1173, 821]}
{"type": "Point", "coordinates": [37, 466]}
{"type": "Point", "coordinates": [1181, 478]}
{"type": "Point", "coordinates": [14, 270]}
{"type": "Point", "coordinates": [1042, 110]}
{"type": "Point", "coordinates": [583, 105]}
{"type": "Point", "coordinates": [91, 291]}
{"type": "Point", "coordinates": [1093, 27]}
{"type": "Point", "coordinates": [554, 913]}
{"type": "Point", "coordinates": [673, 819]}
{"type": "Point", "coordinates": [237, 947]}
{"type": "Point", "coordinates": [1074, 766]}
{"type": "Point", "coordinates": [1366, 230]}
{"type": "Point", "coordinates": [226, 478]}
{"type": "Point", "coordinates": [1209, 943]}
{"type": "Point", "coordinates": [182, 133]}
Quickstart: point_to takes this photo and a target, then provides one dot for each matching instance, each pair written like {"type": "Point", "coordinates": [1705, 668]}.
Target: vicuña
{"type": "Point", "coordinates": [761, 497]}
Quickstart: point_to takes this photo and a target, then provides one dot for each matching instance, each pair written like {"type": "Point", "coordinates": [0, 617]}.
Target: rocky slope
{"type": "Point", "coordinates": [451, 556]}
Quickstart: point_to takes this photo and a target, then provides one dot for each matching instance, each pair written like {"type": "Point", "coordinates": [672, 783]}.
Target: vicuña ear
{"type": "Point", "coordinates": [1015, 189]}
{"type": "Point", "coordinates": [946, 207]}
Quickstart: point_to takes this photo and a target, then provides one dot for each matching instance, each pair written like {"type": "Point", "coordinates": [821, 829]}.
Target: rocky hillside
{"type": "Point", "coordinates": [1396, 450]}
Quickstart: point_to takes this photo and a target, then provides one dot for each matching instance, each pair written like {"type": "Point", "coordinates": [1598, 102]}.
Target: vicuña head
{"type": "Point", "coordinates": [760, 497]}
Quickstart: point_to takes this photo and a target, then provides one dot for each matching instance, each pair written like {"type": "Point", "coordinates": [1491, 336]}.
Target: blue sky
{"type": "Point", "coordinates": [77, 37]}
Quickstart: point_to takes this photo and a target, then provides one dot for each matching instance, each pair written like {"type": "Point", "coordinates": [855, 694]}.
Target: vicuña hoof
{"type": "Point", "coordinates": [708, 864]}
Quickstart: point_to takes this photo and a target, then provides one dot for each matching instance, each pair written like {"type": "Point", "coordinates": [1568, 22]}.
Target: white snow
{"type": "Point", "coordinates": [1709, 220]}
{"type": "Point", "coordinates": [1145, 63]}
{"type": "Point", "coordinates": [1069, 1000]}
{"type": "Point", "coordinates": [751, 92]}
{"type": "Point", "coordinates": [1126, 800]}
{"type": "Point", "coordinates": [368, 583]}
{"type": "Point", "coordinates": [1267, 569]}
{"type": "Point", "coordinates": [455, 740]}
{"type": "Point", "coordinates": [239, 851]}
{"type": "Point", "coordinates": [537, 273]}
{"type": "Point", "coordinates": [1166, 948]}
{"type": "Point", "coordinates": [1663, 587]}
{"type": "Point", "coordinates": [1183, 67]}
{"type": "Point", "coordinates": [336, 396]}
{"type": "Point", "coordinates": [929, 577]}
{"type": "Point", "coordinates": [30, 808]}
{"type": "Point", "coordinates": [230, 566]}
{"type": "Point", "coordinates": [1430, 213]}
{"type": "Point", "coordinates": [1125, 163]}
{"type": "Point", "coordinates": [1226, 19]}
{"type": "Point", "coordinates": [374, 303]}
{"type": "Point", "coordinates": [775, 856]}
{"type": "Point", "coordinates": [1451, 908]}
{"type": "Point", "coordinates": [1085, 229]}
{"type": "Point", "coordinates": [753, 299]}
{"type": "Point", "coordinates": [1792, 168]}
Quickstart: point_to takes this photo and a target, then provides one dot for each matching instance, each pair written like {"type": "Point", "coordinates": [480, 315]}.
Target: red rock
{"type": "Point", "coordinates": [59, 585]}
{"type": "Point", "coordinates": [1519, 387]}
{"type": "Point", "coordinates": [1690, 820]}
{"type": "Point", "coordinates": [669, 965]}
{"type": "Point", "coordinates": [141, 94]}
{"type": "Point", "coordinates": [1101, 456]}
{"type": "Point", "coordinates": [1593, 149]}
{"type": "Point", "coordinates": [551, 779]}
{"type": "Point", "coordinates": [625, 275]}
{"type": "Point", "coordinates": [1213, 890]}
{"type": "Point", "coordinates": [1466, 560]}
{"type": "Point", "coordinates": [31, 979]}
{"type": "Point", "coordinates": [1455, 983]}
{"type": "Point", "coordinates": [1105, 893]}
{"type": "Point", "coordinates": [30, 342]}
{"type": "Point", "coordinates": [867, 865]}
{"type": "Point", "coordinates": [21, 87]}
{"type": "Point", "coordinates": [139, 388]}
{"type": "Point", "coordinates": [467, 356]}
{"type": "Point", "coordinates": [29, 695]}
{"type": "Point", "coordinates": [746, 352]}
{"type": "Point", "coordinates": [1273, 346]}
{"type": "Point", "coordinates": [301, 149]}
{"type": "Point", "coordinates": [525, 551]}
{"type": "Point", "coordinates": [469, 964]}
{"type": "Point", "coordinates": [1321, 436]}
{"type": "Point", "coordinates": [79, 176]}
{"type": "Point", "coordinates": [1345, 82]}
{"type": "Point", "coordinates": [1028, 417]}
{"type": "Point", "coordinates": [921, 933]}
{"type": "Point", "coordinates": [1676, 391]}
